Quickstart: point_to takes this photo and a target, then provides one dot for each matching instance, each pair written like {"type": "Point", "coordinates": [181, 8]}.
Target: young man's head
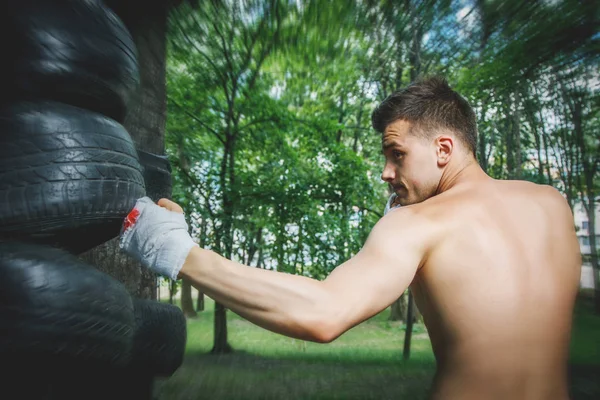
{"type": "Point", "coordinates": [426, 127]}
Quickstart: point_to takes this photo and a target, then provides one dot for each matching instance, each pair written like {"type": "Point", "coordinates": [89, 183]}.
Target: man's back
{"type": "Point", "coordinates": [497, 290]}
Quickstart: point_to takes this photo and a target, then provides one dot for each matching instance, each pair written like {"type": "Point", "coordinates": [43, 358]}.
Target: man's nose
{"type": "Point", "coordinates": [388, 173]}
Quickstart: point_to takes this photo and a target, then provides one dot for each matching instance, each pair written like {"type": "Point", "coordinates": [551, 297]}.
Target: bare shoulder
{"type": "Point", "coordinates": [412, 217]}
{"type": "Point", "coordinates": [547, 196]}
{"type": "Point", "coordinates": [408, 227]}
{"type": "Point", "coordinates": [548, 193]}
{"type": "Point", "coordinates": [557, 203]}
{"type": "Point", "coordinates": [527, 187]}
{"type": "Point", "coordinates": [552, 194]}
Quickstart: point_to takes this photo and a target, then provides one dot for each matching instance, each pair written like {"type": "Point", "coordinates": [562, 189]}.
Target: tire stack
{"type": "Point", "coordinates": [69, 174]}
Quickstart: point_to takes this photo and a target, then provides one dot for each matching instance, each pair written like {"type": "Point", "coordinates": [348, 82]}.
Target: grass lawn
{"type": "Point", "coordinates": [585, 352]}
{"type": "Point", "coordinates": [364, 363]}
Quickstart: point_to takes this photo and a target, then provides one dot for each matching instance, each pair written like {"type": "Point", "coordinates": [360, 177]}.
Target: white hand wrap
{"type": "Point", "coordinates": [390, 201]}
{"type": "Point", "coordinates": [156, 237]}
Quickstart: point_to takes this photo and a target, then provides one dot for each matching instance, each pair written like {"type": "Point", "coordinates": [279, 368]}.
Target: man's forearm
{"type": "Point", "coordinates": [291, 305]}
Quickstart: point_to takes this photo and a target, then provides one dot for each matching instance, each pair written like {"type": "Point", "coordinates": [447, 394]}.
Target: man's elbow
{"type": "Point", "coordinates": [325, 329]}
{"type": "Point", "coordinates": [326, 336]}
{"type": "Point", "coordinates": [325, 319]}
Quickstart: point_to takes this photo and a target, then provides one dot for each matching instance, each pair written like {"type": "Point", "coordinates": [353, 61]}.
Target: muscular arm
{"type": "Point", "coordinates": [309, 309]}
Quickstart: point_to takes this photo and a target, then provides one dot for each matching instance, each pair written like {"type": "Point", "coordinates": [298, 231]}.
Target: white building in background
{"type": "Point", "coordinates": [582, 224]}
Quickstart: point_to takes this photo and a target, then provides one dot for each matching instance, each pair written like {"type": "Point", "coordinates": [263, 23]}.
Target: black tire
{"type": "Point", "coordinates": [157, 175]}
{"type": "Point", "coordinates": [95, 383]}
{"type": "Point", "coordinates": [159, 339]}
{"type": "Point", "coordinates": [68, 176]}
{"type": "Point", "coordinates": [54, 307]}
{"type": "Point", "coordinates": [74, 51]}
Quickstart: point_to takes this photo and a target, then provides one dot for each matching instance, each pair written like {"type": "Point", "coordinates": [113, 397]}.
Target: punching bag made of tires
{"type": "Point", "coordinates": [68, 176]}
{"type": "Point", "coordinates": [157, 175]}
{"type": "Point", "coordinates": [159, 338]}
{"type": "Point", "coordinates": [55, 308]}
{"type": "Point", "coordinates": [73, 51]}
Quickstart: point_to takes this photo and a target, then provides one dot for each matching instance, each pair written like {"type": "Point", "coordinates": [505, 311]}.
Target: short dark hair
{"type": "Point", "coordinates": [429, 104]}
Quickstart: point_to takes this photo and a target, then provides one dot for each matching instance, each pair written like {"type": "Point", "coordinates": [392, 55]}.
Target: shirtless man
{"type": "Point", "coordinates": [494, 265]}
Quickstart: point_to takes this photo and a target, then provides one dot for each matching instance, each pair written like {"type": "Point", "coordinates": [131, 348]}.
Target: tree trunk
{"type": "Point", "coordinates": [417, 316]}
{"type": "Point", "coordinates": [415, 50]}
{"type": "Point", "coordinates": [260, 261]}
{"type": "Point", "coordinates": [345, 230]}
{"type": "Point", "coordinates": [280, 239]}
{"type": "Point", "coordinates": [202, 244]}
{"type": "Point", "coordinates": [516, 136]}
{"type": "Point", "coordinates": [338, 137]}
{"type": "Point", "coordinates": [591, 212]}
{"type": "Point", "coordinates": [409, 327]}
{"type": "Point", "coordinates": [187, 304]}
{"type": "Point", "coordinates": [540, 122]}
{"type": "Point", "coordinates": [172, 289]}
{"type": "Point", "coordinates": [200, 302]}
{"type": "Point", "coordinates": [145, 122]}
{"type": "Point", "coordinates": [255, 243]}
{"type": "Point", "coordinates": [501, 154]}
{"type": "Point", "coordinates": [482, 142]}
{"type": "Point", "coordinates": [508, 127]}
{"type": "Point", "coordinates": [359, 119]}
{"type": "Point", "coordinates": [398, 309]}
{"type": "Point", "coordinates": [298, 259]}
{"type": "Point", "coordinates": [547, 153]}
{"type": "Point", "coordinates": [570, 167]}
{"type": "Point", "coordinates": [220, 346]}
{"type": "Point", "coordinates": [537, 137]}
{"type": "Point", "coordinates": [399, 64]}
{"type": "Point", "coordinates": [224, 242]}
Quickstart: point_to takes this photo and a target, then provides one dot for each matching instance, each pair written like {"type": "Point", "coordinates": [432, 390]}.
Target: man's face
{"type": "Point", "coordinates": [411, 164]}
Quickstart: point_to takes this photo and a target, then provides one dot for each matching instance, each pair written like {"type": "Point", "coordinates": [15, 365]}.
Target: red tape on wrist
{"type": "Point", "coordinates": [131, 219]}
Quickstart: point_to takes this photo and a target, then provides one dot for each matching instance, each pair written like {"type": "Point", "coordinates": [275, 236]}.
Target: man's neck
{"type": "Point", "coordinates": [467, 171]}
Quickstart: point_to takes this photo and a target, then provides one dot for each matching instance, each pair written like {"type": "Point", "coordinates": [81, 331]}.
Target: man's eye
{"type": "Point", "coordinates": [397, 154]}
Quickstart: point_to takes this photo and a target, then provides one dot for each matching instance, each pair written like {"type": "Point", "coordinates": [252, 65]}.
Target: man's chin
{"type": "Point", "coordinates": [406, 201]}
{"type": "Point", "coordinates": [400, 200]}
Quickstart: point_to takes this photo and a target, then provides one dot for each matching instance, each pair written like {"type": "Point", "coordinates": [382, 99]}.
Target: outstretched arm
{"type": "Point", "coordinates": [306, 308]}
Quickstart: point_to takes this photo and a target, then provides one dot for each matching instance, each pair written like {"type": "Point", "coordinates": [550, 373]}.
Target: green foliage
{"type": "Point", "coordinates": [265, 164]}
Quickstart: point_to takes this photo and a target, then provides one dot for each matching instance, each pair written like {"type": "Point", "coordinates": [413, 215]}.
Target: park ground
{"type": "Point", "coordinates": [364, 363]}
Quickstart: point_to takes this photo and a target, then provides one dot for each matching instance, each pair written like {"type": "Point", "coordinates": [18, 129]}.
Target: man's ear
{"type": "Point", "coordinates": [444, 148]}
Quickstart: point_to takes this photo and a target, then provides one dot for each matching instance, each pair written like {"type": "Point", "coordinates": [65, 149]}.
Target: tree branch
{"type": "Point", "coordinates": [204, 55]}
{"type": "Point", "coordinates": [195, 118]}
{"type": "Point", "coordinates": [256, 122]}
{"type": "Point", "coordinates": [198, 185]}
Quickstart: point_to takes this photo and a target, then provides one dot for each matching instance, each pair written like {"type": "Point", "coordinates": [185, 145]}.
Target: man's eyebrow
{"type": "Point", "coordinates": [386, 145]}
